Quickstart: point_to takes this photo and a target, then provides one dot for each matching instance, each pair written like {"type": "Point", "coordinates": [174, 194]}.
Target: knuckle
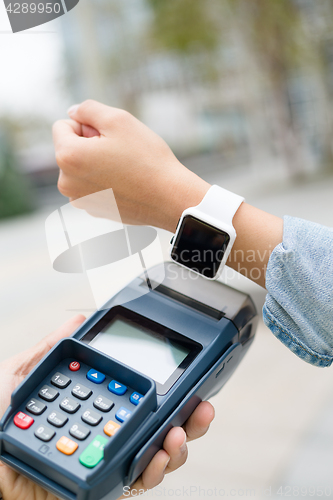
{"type": "Point", "coordinates": [66, 157]}
{"type": "Point", "coordinates": [121, 115]}
{"type": "Point", "coordinates": [87, 105]}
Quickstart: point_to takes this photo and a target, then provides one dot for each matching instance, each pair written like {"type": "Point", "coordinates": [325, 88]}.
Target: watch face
{"type": "Point", "coordinates": [200, 246]}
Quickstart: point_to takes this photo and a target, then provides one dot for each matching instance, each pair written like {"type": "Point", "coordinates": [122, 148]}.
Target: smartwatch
{"type": "Point", "coordinates": [205, 235]}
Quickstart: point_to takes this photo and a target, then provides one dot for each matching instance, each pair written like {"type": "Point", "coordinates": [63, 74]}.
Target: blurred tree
{"type": "Point", "coordinates": [275, 33]}
{"type": "Point", "coordinates": [15, 192]}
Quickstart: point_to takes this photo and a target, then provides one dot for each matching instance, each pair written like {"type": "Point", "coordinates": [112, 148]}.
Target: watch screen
{"type": "Point", "coordinates": [200, 246]}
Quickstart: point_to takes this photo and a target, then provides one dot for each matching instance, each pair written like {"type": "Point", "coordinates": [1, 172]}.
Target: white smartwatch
{"type": "Point", "coordinates": [205, 235]}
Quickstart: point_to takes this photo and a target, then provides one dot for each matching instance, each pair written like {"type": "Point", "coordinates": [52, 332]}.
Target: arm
{"type": "Point", "coordinates": [13, 486]}
{"type": "Point", "coordinates": [104, 147]}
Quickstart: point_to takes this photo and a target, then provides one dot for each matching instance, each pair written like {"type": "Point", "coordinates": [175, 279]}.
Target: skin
{"type": "Point", "coordinates": [102, 147]}
{"type": "Point", "coordinates": [13, 486]}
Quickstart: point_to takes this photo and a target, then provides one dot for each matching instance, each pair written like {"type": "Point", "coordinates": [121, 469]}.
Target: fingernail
{"type": "Point", "coordinates": [183, 446]}
{"type": "Point", "coordinates": [72, 110]}
{"type": "Point", "coordinates": [166, 464]}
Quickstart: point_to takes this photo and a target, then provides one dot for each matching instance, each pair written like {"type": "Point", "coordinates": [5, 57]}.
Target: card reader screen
{"type": "Point", "coordinates": [145, 345]}
{"type": "Point", "coordinates": [147, 352]}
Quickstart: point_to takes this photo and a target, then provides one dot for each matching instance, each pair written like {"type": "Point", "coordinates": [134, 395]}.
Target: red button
{"type": "Point", "coordinates": [23, 421]}
{"type": "Point", "coordinates": [74, 366]}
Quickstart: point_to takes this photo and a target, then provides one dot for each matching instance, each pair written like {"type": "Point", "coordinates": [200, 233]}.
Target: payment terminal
{"type": "Point", "coordinates": [92, 414]}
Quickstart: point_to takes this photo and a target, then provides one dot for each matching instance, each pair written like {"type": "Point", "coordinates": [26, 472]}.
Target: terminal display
{"type": "Point", "coordinates": [154, 351]}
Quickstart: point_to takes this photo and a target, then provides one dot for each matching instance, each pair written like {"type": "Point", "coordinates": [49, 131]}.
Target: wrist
{"type": "Point", "coordinates": [187, 191]}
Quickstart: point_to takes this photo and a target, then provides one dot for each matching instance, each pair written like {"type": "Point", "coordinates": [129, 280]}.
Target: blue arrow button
{"type": "Point", "coordinates": [117, 388]}
{"type": "Point", "coordinates": [95, 376]}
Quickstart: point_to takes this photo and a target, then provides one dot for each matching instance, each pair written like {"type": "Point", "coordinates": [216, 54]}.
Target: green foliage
{"type": "Point", "coordinates": [273, 28]}
{"type": "Point", "coordinates": [15, 192]}
{"type": "Point", "coordinates": [185, 25]}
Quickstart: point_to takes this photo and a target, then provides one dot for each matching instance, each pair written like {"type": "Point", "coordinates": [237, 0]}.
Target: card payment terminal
{"type": "Point", "coordinates": [92, 414]}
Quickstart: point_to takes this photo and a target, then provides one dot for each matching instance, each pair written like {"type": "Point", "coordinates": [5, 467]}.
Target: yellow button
{"type": "Point", "coordinates": [111, 428]}
{"type": "Point", "coordinates": [67, 446]}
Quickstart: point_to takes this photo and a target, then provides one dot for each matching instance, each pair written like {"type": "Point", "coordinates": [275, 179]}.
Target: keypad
{"type": "Point", "coordinates": [94, 453]}
{"type": "Point", "coordinates": [23, 421]}
{"type": "Point", "coordinates": [74, 366]}
{"type": "Point", "coordinates": [44, 433]}
{"type": "Point", "coordinates": [36, 407]}
{"type": "Point", "coordinates": [95, 376]}
{"type": "Point", "coordinates": [79, 431]}
{"type": "Point", "coordinates": [57, 419]}
{"type": "Point", "coordinates": [59, 413]}
{"type": "Point", "coordinates": [81, 392]}
{"type": "Point", "coordinates": [123, 414]}
{"type": "Point", "coordinates": [60, 380]}
{"type": "Point", "coordinates": [103, 404]}
{"type": "Point", "coordinates": [91, 417]}
{"type": "Point", "coordinates": [48, 394]}
{"type": "Point", "coordinates": [66, 446]}
{"type": "Point", "coordinates": [111, 428]}
{"type": "Point", "coordinates": [117, 388]}
{"type": "Point", "coordinates": [69, 405]}
{"type": "Point", "coordinates": [135, 398]}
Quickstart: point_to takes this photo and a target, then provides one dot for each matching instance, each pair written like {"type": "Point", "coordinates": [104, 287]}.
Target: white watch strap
{"type": "Point", "coordinates": [220, 204]}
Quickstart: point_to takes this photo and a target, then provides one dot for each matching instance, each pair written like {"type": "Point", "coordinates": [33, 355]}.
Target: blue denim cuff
{"type": "Point", "coordinates": [299, 280]}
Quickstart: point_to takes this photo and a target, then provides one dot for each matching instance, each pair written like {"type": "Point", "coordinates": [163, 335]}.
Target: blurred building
{"type": "Point", "coordinates": [230, 117]}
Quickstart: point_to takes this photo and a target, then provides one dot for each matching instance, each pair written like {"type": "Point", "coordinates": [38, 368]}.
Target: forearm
{"type": "Point", "coordinates": [258, 232]}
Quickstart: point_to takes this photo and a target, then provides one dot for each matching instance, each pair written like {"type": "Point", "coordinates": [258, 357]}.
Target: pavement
{"type": "Point", "coordinates": [273, 432]}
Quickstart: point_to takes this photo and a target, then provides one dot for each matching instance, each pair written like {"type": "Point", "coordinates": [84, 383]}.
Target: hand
{"type": "Point", "coordinates": [13, 486]}
{"type": "Point", "coordinates": [104, 147]}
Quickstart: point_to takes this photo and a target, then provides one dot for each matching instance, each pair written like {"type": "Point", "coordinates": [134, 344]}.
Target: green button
{"type": "Point", "coordinates": [94, 453]}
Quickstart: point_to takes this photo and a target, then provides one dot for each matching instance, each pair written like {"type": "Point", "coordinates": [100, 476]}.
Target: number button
{"type": "Point", "coordinates": [66, 446]}
{"type": "Point", "coordinates": [81, 392]}
{"type": "Point", "coordinates": [117, 388]}
{"type": "Point", "coordinates": [135, 398]}
{"type": "Point", "coordinates": [57, 419]}
{"type": "Point", "coordinates": [69, 405]}
{"type": "Point", "coordinates": [48, 393]}
{"type": "Point", "coordinates": [111, 428]}
{"type": "Point", "coordinates": [91, 417]}
{"type": "Point", "coordinates": [123, 414]}
{"type": "Point", "coordinates": [79, 431]}
{"type": "Point", "coordinates": [23, 421]}
{"type": "Point", "coordinates": [94, 453]}
{"type": "Point", "coordinates": [44, 433]}
{"type": "Point", "coordinates": [103, 404]}
{"type": "Point", "coordinates": [60, 380]}
{"type": "Point", "coordinates": [35, 407]}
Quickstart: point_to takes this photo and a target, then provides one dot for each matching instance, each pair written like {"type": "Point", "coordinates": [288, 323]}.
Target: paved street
{"type": "Point", "coordinates": [273, 428]}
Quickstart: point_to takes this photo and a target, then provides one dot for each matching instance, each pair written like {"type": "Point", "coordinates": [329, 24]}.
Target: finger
{"type": "Point", "coordinates": [28, 359]}
{"type": "Point", "coordinates": [88, 131]}
{"type": "Point", "coordinates": [198, 423]}
{"type": "Point", "coordinates": [66, 132]}
{"type": "Point", "coordinates": [175, 446]}
{"type": "Point", "coordinates": [64, 331]}
{"type": "Point", "coordinates": [152, 475]}
{"type": "Point", "coordinates": [92, 113]}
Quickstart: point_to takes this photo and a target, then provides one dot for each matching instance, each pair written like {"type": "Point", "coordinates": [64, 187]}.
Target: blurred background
{"type": "Point", "coordinates": [242, 91]}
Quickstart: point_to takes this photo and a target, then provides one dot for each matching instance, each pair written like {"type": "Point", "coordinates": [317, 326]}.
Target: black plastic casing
{"type": "Point", "coordinates": [221, 319]}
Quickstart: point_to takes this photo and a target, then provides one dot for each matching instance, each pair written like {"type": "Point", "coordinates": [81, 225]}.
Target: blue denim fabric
{"type": "Point", "coordinates": [299, 280]}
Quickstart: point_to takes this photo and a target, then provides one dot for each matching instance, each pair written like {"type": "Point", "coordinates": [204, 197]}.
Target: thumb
{"type": "Point", "coordinates": [91, 113]}
{"type": "Point", "coordinates": [28, 359]}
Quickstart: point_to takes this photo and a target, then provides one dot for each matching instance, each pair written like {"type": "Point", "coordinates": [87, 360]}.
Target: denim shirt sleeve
{"type": "Point", "coordinates": [299, 280]}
